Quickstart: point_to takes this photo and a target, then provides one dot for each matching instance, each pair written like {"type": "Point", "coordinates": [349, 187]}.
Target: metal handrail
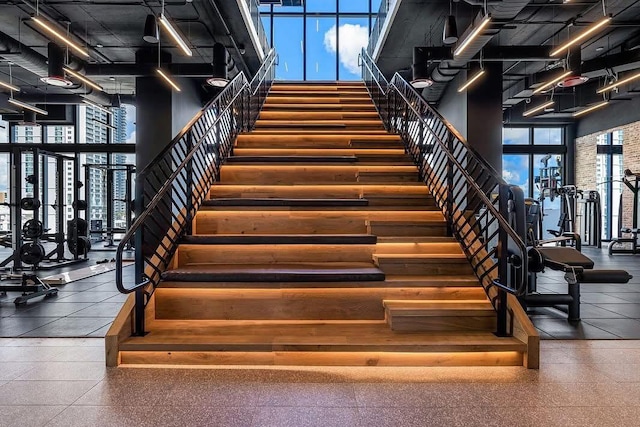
{"type": "Point", "coordinates": [178, 179]}
{"type": "Point", "coordinates": [471, 194]}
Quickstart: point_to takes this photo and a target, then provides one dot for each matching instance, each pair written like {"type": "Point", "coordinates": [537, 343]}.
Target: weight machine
{"type": "Point", "coordinates": [97, 228]}
{"type": "Point", "coordinates": [27, 238]}
{"type": "Point", "coordinates": [632, 181]}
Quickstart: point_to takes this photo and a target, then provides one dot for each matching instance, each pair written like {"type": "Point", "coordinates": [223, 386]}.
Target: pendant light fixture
{"type": "Point", "coordinates": [83, 79]}
{"type": "Point", "coordinates": [166, 24]}
{"type": "Point", "coordinates": [165, 75]}
{"type": "Point", "coordinates": [450, 33]}
{"type": "Point", "coordinates": [551, 83]}
{"type": "Point", "coordinates": [12, 88]}
{"type": "Point", "coordinates": [151, 32]}
{"type": "Point", "coordinates": [50, 28]}
{"type": "Point", "coordinates": [540, 107]}
{"type": "Point", "coordinates": [26, 106]}
{"type": "Point", "coordinates": [583, 35]}
{"type": "Point", "coordinates": [471, 81]}
{"type": "Point", "coordinates": [55, 66]}
{"type": "Point", "coordinates": [590, 109]}
{"type": "Point", "coordinates": [471, 37]}
{"type": "Point", "coordinates": [618, 83]}
{"type": "Point", "coordinates": [219, 76]}
{"type": "Point", "coordinates": [420, 69]}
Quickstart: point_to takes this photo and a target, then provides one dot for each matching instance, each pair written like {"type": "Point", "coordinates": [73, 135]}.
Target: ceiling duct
{"type": "Point", "coordinates": [55, 67]}
{"type": "Point", "coordinates": [447, 70]}
{"type": "Point", "coordinates": [574, 63]}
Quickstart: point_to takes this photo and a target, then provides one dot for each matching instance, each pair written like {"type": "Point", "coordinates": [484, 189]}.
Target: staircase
{"type": "Point", "coordinates": [319, 246]}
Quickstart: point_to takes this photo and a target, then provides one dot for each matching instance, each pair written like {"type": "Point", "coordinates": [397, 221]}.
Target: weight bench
{"type": "Point", "coordinates": [578, 269]}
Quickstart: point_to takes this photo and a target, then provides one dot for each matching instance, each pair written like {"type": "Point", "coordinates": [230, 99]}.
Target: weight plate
{"type": "Point", "coordinates": [29, 204]}
{"type": "Point", "coordinates": [32, 229]}
{"type": "Point", "coordinates": [32, 253]}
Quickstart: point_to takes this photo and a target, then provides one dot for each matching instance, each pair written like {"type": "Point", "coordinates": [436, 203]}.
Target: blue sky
{"type": "Point", "coordinates": [321, 45]}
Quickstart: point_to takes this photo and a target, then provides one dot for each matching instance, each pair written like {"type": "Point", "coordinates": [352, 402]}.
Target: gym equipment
{"type": "Point", "coordinates": [590, 213]}
{"type": "Point", "coordinates": [32, 253]}
{"type": "Point", "coordinates": [29, 204]}
{"type": "Point", "coordinates": [32, 229]}
{"type": "Point", "coordinates": [31, 287]}
{"type": "Point", "coordinates": [108, 227]}
{"type": "Point", "coordinates": [577, 267]}
{"type": "Point", "coordinates": [632, 181]}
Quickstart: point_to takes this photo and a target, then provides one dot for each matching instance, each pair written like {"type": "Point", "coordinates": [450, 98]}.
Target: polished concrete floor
{"type": "Point", "coordinates": [63, 382]}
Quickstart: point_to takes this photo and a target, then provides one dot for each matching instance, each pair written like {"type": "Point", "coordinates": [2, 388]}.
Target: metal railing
{"type": "Point", "coordinates": [376, 28]}
{"type": "Point", "coordinates": [473, 197]}
{"type": "Point", "coordinates": [173, 186]}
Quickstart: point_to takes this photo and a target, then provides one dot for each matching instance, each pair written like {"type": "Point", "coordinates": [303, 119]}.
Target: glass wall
{"type": "Point", "coordinates": [320, 40]}
{"type": "Point", "coordinates": [529, 153]}
{"type": "Point", "coordinates": [609, 173]}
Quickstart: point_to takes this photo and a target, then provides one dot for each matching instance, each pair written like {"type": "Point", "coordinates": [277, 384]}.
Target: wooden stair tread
{"type": "Point", "coordinates": [417, 239]}
{"type": "Point", "coordinates": [438, 307]}
{"type": "Point", "coordinates": [176, 335]}
{"type": "Point", "coordinates": [287, 239]}
{"type": "Point", "coordinates": [423, 257]}
{"type": "Point", "coordinates": [276, 272]}
{"type": "Point", "coordinates": [253, 201]}
{"type": "Point", "coordinates": [320, 107]}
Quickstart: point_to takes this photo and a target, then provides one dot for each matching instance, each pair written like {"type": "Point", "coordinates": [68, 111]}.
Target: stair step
{"type": "Point", "coordinates": [320, 303]}
{"type": "Point", "coordinates": [319, 87]}
{"type": "Point", "coordinates": [439, 316]}
{"type": "Point", "coordinates": [320, 272]}
{"type": "Point", "coordinates": [292, 159]}
{"type": "Point", "coordinates": [287, 139]}
{"type": "Point", "coordinates": [442, 280]}
{"type": "Point", "coordinates": [280, 239]}
{"type": "Point", "coordinates": [319, 107]}
{"type": "Point", "coordinates": [283, 202]}
{"type": "Point", "coordinates": [317, 123]}
{"type": "Point", "coordinates": [363, 343]}
{"type": "Point", "coordinates": [433, 264]}
{"type": "Point", "coordinates": [426, 247]}
{"type": "Point", "coordinates": [317, 174]}
{"type": "Point", "coordinates": [317, 115]}
{"type": "Point", "coordinates": [395, 193]}
{"type": "Point", "coordinates": [332, 98]}
{"type": "Point", "coordinates": [311, 92]}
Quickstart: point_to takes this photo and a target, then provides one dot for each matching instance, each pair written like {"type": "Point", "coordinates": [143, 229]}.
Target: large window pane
{"type": "Point", "coordinates": [353, 35]}
{"type": "Point", "coordinates": [321, 56]}
{"type": "Point", "coordinates": [27, 134]}
{"type": "Point", "coordinates": [515, 136]}
{"type": "Point", "coordinates": [361, 6]}
{"type": "Point", "coordinates": [547, 136]}
{"type": "Point", "coordinates": [322, 5]}
{"type": "Point", "coordinates": [515, 170]}
{"type": "Point", "coordinates": [90, 120]}
{"type": "Point", "coordinates": [287, 34]}
{"type": "Point", "coordinates": [617, 137]}
{"type": "Point", "coordinates": [551, 176]}
{"type": "Point", "coordinates": [603, 186]}
{"type": "Point", "coordinates": [4, 189]}
{"type": "Point", "coordinates": [616, 191]}
{"type": "Point", "coordinates": [266, 24]}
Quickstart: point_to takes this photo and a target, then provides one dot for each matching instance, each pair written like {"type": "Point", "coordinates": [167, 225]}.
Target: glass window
{"type": "Point", "coordinates": [287, 35]}
{"type": "Point", "coordinates": [549, 175]}
{"type": "Point", "coordinates": [361, 6]}
{"type": "Point", "coordinates": [266, 24]}
{"type": "Point", "coordinates": [515, 136]}
{"type": "Point", "coordinates": [321, 62]}
{"type": "Point", "coordinates": [617, 137]}
{"type": "Point", "coordinates": [547, 136]}
{"type": "Point", "coordinates": [24, 134]}
{"type": "Point", "coordinates": [515, 171]}
{"type": "Point", "coordinates": [322, 5]}
{"type": "Point", "coordinates": [353, 35]}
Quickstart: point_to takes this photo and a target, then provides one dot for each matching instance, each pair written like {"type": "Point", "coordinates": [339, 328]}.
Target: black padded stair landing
{"type": "Point", "coordinates": [284, 202]}
{"type": "Point", "coordinates": [280, 239]}
{"type": "Point", "coordinates": [320, 272]}
{"type": "Point", "coordinates": [292, 159]}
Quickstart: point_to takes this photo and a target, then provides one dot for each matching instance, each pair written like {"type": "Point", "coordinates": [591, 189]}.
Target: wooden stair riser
{"type": "Point", "coordinates": [393, 229]}
{"type": "Point", "coordinates": [418, 248]}
{"type": "Point", "coordinates": [271, 254]}
{"type": "Point", "coordinates": [443, 323]}
{"type": "Point", "coordinates": [282, 304]}
{"type": "Point", "coordinates": [375, 194]}
{"type": "Point", "coordinates": [440, 316]}
{"type": "Point", "coordinates": [317, 115]}
{"type": "Point", "coordinates": [300, 222]}
{"type": "Point", "coordinates": [415, 266]}
{"type": "Point", "coordinates": [293, 174]}
{"type": "Point", "coordinates": [355, 98]}
{"type": "Point", "coordinates": [368, 107]}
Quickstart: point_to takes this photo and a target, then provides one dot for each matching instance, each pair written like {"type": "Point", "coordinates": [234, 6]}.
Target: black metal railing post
{"type": "Point", "coordinates": [503, 261]}
{"type": "Point", "coordinates": [190, 186]}
{"type": "Point", "coordinates": [450, 185]}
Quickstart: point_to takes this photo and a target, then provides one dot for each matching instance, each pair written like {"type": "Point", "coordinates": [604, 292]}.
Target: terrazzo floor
{"type": "Point", "coordinates": [64, 382]}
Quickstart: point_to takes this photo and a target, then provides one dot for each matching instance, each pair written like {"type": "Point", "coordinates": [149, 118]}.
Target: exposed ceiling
{"type": "Point", "coordinates": [112, 32]}
{"type": "Point", "coordinates": [613, 50]}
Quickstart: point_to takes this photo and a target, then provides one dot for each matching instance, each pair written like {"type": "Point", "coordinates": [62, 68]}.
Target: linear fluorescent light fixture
{"type": "Point", "coordinates": [552, 82]}
{"type": "Point", "coordinates": [98, 106]}
{"type": "Point", "coordinates": [10, 87]}
{"type": "Point", "coordinates": [471, 81]}
{"type": "Point", "coordinates": [83, 79]}
{"type": "Point", "coordinates": [590, 109]}
{"type": "Point", "coordinates": [174, 34]}
{"type": "Point", "coordinates": [538, 108]}
{"type": "Point", "coordinates": [472, 36]}
{"type": "Point", "coordinates": [618, 83]}
{"type": "Point", "coordinates": [28, 106]}
{"type": "Point", "coordinates": [105, 124]}
{"type": "Point", "coordinates": [51, 30]}
{"type": "Point", "coordinates": [583, 35]}
{"type": "Point", "coordinates": [168, 79]}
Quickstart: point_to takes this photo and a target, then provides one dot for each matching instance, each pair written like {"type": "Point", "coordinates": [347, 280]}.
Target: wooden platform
{"type": "Point", "coordinates": [320, 245]}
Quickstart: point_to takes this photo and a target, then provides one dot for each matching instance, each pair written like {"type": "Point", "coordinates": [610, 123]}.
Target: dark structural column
{"type": "Point", "coordinates": [484, 113]}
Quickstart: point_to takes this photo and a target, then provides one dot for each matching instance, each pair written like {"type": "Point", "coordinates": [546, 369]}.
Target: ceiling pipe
{"type": "Point", "coordinates": [447, 70]}
{"type": "Point", "coordinates": [69, 99]}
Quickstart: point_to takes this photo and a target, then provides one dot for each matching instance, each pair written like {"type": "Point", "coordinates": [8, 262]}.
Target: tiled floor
{"type": "Point", "coordinates": [63, 382]}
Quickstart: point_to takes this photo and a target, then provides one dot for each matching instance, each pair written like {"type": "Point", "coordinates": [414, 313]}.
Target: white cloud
{"type": "Point", "coordinates": [131, 139]}
{"type": "Point", "coordinates": [353, 38]}
{"type": "Point", "coordinates": [510, 176]}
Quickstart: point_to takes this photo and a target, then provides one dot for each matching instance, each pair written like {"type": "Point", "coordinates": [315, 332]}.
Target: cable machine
{"type": "Point", "coordinates": [632, 181]}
